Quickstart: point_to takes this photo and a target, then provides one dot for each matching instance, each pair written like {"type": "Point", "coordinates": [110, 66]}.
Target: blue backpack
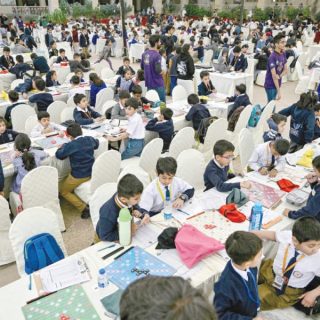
{"type": "Point", "coordinates": [255, 115]}
{"type": "Point", "coordinates": [41, 251]}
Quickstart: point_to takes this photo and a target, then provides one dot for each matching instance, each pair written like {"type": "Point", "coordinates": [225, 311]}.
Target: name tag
{"type": "Point", "coordinates": [278, 282]}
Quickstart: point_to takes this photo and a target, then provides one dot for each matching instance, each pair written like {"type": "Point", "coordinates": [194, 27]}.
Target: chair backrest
{"type": "Point", "coordinates": [103, 96]}
{"type": "Point", "coordinates": [97, 67]}
{"type": "Point", "coordinates": [15, 83]}
{"type": "Point", "coordinates": [55, 110]}
{"type": "Point", "coordinates": [70, 102]}
{"type": "Point", "coordinates": [106, 168]}
{"type": "Point", "coordinates": [67, 114]}
{"type": "Point", "coordinates": [179, 93]}
{"type": "Point", "coordinates": [31, 122]}
{"type": "Point", "coordinates": [152, 95]}
{"type": "Point", "coordinates": [68, 77]}
{"type": "Point", "coordinates": [101, 195]}
{"type": "Point", "coordinates": [142, 84]}
{"type": "Point", "coordinates": [183, 140]}
{"type": "Point", "coordinates": [246, 147]}
{"type": "Point", "coordinates": [243, 119]}
{"type": "Point", "coordinates": [19, 115]}
{"type": "Point", "coordinates": [150, 155]}
{"type": "Point", "coordinates": [31, 222]}
{"type": "Point", "coordinates": [52, 60]}
{"type": "Point", "coordinates": [207, 56]}
{"type": "Point", "coordinates": [141, 174]}
{"type": "Point", "coordinates": [106, 106]}
{"type": "Point", "coordinates": [107, 73]}
{"type": "Point", "coordinates": [265, 115]}
{"type": "Point", "coordinates": [286, 131]}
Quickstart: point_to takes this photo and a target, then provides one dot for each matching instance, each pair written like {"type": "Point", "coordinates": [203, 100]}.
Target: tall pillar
{"type": "Point", "coordinates": [129, 3]}
{"type": "Point", "coordinates": [43, 3]}
{"type": "Point", "coordinates": [53, 5]}
{"type": "Point", "coordinates": [94, 3]}
{"type": "Point", "coordinates": [157, 4]}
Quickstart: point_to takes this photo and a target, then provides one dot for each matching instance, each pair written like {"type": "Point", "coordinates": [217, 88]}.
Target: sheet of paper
{"type": "Point", "coordinates": [212, 199]}
{"type": "Point", "coordinates": [171, 257]}
{"type": "Point", "coordinates": [146, 236]}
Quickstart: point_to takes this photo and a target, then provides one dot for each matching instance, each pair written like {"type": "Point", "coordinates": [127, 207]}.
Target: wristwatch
{"type": "Point", "coordinates": [184, 197]}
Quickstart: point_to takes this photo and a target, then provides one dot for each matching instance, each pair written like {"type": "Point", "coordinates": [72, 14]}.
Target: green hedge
{"type": "Point", "coordinates": [195, 10]}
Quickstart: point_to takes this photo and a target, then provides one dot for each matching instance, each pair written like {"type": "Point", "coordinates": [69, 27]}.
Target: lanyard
{"type": "Point", "coordinates": [255, 299]}
{"type": "Point", "coordinates": [284, 263]}
{"type": "Point", "coordinates": [161, 192]}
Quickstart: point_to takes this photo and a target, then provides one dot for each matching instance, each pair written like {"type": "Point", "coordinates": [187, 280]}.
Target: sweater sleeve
{"type": "Point", "coordinates": [94, 113]}
{"type": "Point", "coordinates": [64, 151]}
{"type": "Point", "coordinates": [287, 111]}
{"type": "Point", "coordinates": [219, 184]}
{"type": "Point", "coordinates": [78, 119]}
{"type": "Point", "coordinates": [190, 114]}
{"type": "Point", "coordinates": [309, 129]}
{"type": "Point", "coordinates": [107, 227]}
{"type": "Point", "coordinates": [152, 125]}
{"type": "Point", "coordinates": [115, 113]}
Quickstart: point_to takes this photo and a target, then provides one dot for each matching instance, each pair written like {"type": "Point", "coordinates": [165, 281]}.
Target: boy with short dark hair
{"type": "Point", "coordinates": [240, 99]}
{"type": "Point", "coordinates": [239, 62]}
{"type": "Point", "coordinates": [283, 281]}
{"type": "Point", "coordinates": [205, 88]}
{"type": "Point", "coordinates": [218, 172]}
{"type": "Point", "coordinates": [76, 63]}
{"type": "Point", "coordinates": [42, 99]}
{"type": "Point", "coordinates": [268, 158]}
{"type": "Point", "coordinates": [276, 123]}
{"type": "Point", "coordinates": [13, 98]}
{"type": "Point", "coordinates": [80, 151]}
{"type": "Point", "coordinates": [126, 65]}
{"type": "Point", "coordinates": [137, 93]}
{"type": "Point", "coordinates": [118, 110]}
{"type": "Point", "coordinates": [45, 126]}
{"type": "Point", "coordinates": [62, 56]}
{"type": "Point", "coordinates": [128, 195]}
{"type": "Point", "coordinates": [236, 292]}
{"type": "Point", "coordinates": [167, 187]}
{"type": "Point", "coordinates": [39, 63]}
{"type": "Point", "coordinates": [164, 126]}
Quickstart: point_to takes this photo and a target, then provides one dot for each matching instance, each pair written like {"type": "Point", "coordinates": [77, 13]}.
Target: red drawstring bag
{"type": "Point", "coordinates": [287, 185]}
{"type": "Point", "coordinates": [231, 212]}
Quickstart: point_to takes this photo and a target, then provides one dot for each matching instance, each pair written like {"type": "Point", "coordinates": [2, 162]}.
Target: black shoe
{"type": "Point", "coordinates": [85, 213]}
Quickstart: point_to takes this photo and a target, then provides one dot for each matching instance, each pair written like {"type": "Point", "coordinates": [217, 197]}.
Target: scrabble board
{"type": "Point", "coordinates": [51, 142]}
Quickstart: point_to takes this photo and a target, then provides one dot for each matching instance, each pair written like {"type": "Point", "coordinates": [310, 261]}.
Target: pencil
{"type": "Point", "coordinates": [196, 215]}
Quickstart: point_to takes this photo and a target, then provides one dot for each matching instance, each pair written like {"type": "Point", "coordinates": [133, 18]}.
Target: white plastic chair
{"type": "Point", "coordinates": [207, 58]}
{"type": "Point", "coordinates": [101, 195]}
{"type": "Point", "coordinates": [55, 110]}
{"type": "Point", "coordinates": [52, 60]}
{"type": "Point", "coordinates": [188, 85]}
{"type": "Point", "coordinates": [142, 84]}
{"type": "Point", "coordinates": [152, 95]}
{"type": "Point", "coordinates": [261, 78]}
{"type": "Point", "coordinates": [246, 147]}
{"type": "Point", "coordinates": [15, 83]}
{"type": "Point", "coordinates": [31, 122]}
{"type": "Point", "coordinates": [67, 114]}
{"type": "Point", "coordinates": [103, 96]}
{"type": "Point", "coordinates": [70, 102]}
{"type": "Point", "coordinates": [141, 174]}
{"type": "Point", "coordinates": [303, 84]}
{"type": "Point", "coordinates": [286, 131]}
{"type": "Point", "coordinates": [39, 188]}
{"type": "Point", "coordinates": [191, 167]}
{"type": "Point", "coordinates": [183, 140]}
{"type": "Point", "coordinates": [68, 77]}
{"type": "Point", "coordinates": [106, 106]}
{"type": "Point", "coordinates": [29, 223]}
{"type": "Point", "coordinates": [179, 93]}
{"type": "Point", "coordinates": [6, 253]}
{"type": "Point", "coordinates": [106, 168]}
{"type": "Point", "coordinates": [107, 73]}
{"type": "Point", "coordinates": [19, 114]}
{"type": "Point", "coordinates": [97, 67]}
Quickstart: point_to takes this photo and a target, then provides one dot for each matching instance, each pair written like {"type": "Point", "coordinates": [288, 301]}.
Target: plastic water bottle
{"type": "Point", "coordinates": [124, 222]}
{"type": "Point", "coordinates": [256, 217]}
{"type": "Point", "coordinates": [167, 211]}
{"type": "Point", "coordinates": [103, 280]}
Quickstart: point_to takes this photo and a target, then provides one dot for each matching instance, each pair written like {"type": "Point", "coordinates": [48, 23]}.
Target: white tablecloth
{"type": "Point", "coordinates": [136, 50]}
{"type": "Point", "coordinates": [5, 81]}
{"type": "Point", "coordinates": [62, 71]}
{"type": "Point", "coordinates": [313, 50]}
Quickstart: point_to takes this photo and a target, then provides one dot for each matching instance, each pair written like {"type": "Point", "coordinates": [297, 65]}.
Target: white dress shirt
{"type": "Point", "coordinates": [135, 128]}
{"type": "Point", "coordinates": [37, 130]}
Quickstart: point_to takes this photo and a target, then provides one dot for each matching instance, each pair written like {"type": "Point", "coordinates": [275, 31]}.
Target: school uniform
{"type": "Point", "coordinates": [7, 115]}
{"type": "Point", "coordinates": [38, 129]}
{"type": "Point", "coordinates": [240, 63]}
{"type": "Point", "coordinates": [80, 151]}
{"type": "Point", "coordinates": [216, 176]}
{"type": "Point", "coordinates": [118, 112]}
{"type": "Point", "coordinates": [84, 117]}
{"type": "Point", "coordinates": [42, 100]}
{"type": "Point", "coordinates": [6, 61]}
{"type": "Point", "coordinates": [155, 194]}
{"type": "Point", "coordinates": [136, 132]}
{"type": "Point", "coordinates": [62, 59]}
{"type": "Point", "coordinates": [40, 64]}
{"type": "Point", "coordinates": [164, 128]}
{"type": "Point", "coordinates": [8, 136]}
{"type": "Point", "coordinates": [53, 53]}
{"type": "Point", "coordinates": [305, 269]}
{"type": "Point", "coordinates": [121, 70]}
{"type": "Point", "coordinates": [236, 294]}
{"type": "Point", "coordinates": [123, 84]}
{"type": "Point", "coordinates": [262, 157]}
{"type": "Point", "coordinates": [242, 100]}
{"type": "Point", "coordinates": [197, 113]}
{"type": "Point", "coordinates": [94, 90]}
{"type": "Point", "coordinates": [272, 134]}
{"type": "Point", "coordinates": [205, 90]}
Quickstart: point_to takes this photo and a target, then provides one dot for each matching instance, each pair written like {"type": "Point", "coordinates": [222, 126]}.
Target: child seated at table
{"type": "Point", "coordinates": [128, 195]}
{"type": "Point", "coordinates": [164, 126]}
{"type": "Point", "coordinates": [80, 151]}
{"type": "Point", "coordinates": [277, 123]}
{"type": "Point", "coordinates": [268, 158]}
{"type": "Point", "coordinates": [53, 51]}
{"type": "Point", "coordinates": [167, 187]}
{"type": "Point", "coordinates": [6, 135]}
{"type": "Point", "coordinates": [75, 87]}
{"type": "Point", "coordinates": [42, 99]}
{"type": "Point", "coordinates": [135, 131]}
{"type": "Point", "coordinates": [205, 88]}
{"type": "Point", "coordinates": [52, 79]}
{"type": "Point", "coordinates": [287, 280]}
{"type": "Point", "coordinates": [45, 127]}
{"type": "Point", "coordinates": [83, 114]}
{"type": "Point", "coordinates": [137, 94]}
{"type": "Point", "coordinates": [198, 111]}
{"type": "Point", "coordinates": [217, 172]}
{"type": "Point", "coordinates": [124, 82]}
{"type": "Point", "coordinates": [240, 99]}
{"type": "Point", "coordinates": [236, 292]}
{"type": "Point", "coordinates": [312, 207]}
{"type": "Point", "coordinates": [25, 159]}
{"type": "Point", "coordinates": [316, 134]}
{"type": "Point", "coordinates": [62, 56]}
{"type": "Point", "coordinates": [79, 73]}
{"type": "Point", "coordinates": [126, 65]}
{"type": "Point", "coordinates": [96, 84]}
{"type": "Point", "coordinates": [119, 110]}
{"type": "Point", "coordinates": [28, 85]}
{"type": "Point", "coordinates": [14, 99]}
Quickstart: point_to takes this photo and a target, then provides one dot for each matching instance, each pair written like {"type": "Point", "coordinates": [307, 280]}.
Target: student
{"type": "Point", "coordinates": [106, 54]}
{"type": "Point", "coordinates": [40, 63]}
{"type": "Point", "coordinates": [13, 98]}
{"type": "Point", "coordinates": [97, 84]}
{"type": "Point", "coordinates": [277, 123]}
{"type": "Point", "coordinates": [128, 195]}
{"type": "Point", "coordinates": [83, 114]}
{"type": "Point", "coordinates": [239, 62]}
{"type": "Point", "coordinates": [6, 135]}
{"type": "Point", "coordinates": [6, 60]}
{"type": "Point", "coordinates": [312, 207]}
{"type": "Point", "coordinates": [173, 68]}
{"type": "Point", "coordinates": [1, 180]}
{"type": "Point", "coordinates": [62, 56]}
{"type": "Point", "coordinates": [25, 159]}
{"type": "Point", "coordinates": [75, 87]}
{"type": "Point", "coordinates": [236, 292]}
{"type": "Point", "coordinates": [164, 126]}
{"type": "Point", "coordinates": [84, 60]}
{"type": "Point", "coordinates": [268, 158]}
{"type": "Point", "coordinates": [302, 120]}
{"type": "Point", "coordinates": [125, 66]}
{"type": "Point", "coordinates": [27, 85]}
{"type": "Point", "coordinates": [80, 151]}
{"type": "Point", "coordinates": [200, 50]}
{"type": "Point", "coordinates": [137, 94]}
{"type": "Point", "coordinates": [205, 88]}
{"type": "Point", "coordinates": [218, 169]}
{"type": "Point", "coordinates": [240, 99]}
{"type": "Point", "coordinates": [119, 110]}
{"type": "Point", "coordinates": [52, 79]}
{"type": "Point", "coordinates": [45, 127]}
{"type": "Point", "coordinates": [76, 64]}
{"type": "Point", "coordinates": [21, 67]}
{"type": "Point", "coordinates": [176, 299]}
{"type": "Point", "coordinates": [42, 99]}
{"type": "Point", "coordinates": [167, 187]}
{"type": "Point", "coordinates": [53, 51]}
{"type": "Point", "coordinates": [283, 281]}
{"type": "Point", "coordinates": [135, 131]}
{"type": "Point", "coordinates": [124, 82]}
{"type": "Point", "coordinates": [316, 134]}
{"type": "Point", "coordinates": [139, 77]}
{"type": "Point", "coordinates": [197, 112]}
{"type": "Point", "coordinates": [79, 73]}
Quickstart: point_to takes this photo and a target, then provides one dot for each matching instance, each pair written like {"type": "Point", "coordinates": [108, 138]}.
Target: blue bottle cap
{"type": "Point", "coordinates": [102, 271]}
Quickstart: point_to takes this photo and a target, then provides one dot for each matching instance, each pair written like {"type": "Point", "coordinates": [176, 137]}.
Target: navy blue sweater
{"type": "Point", "coordinates": [81, 154]}
{"type": "Point", "coordinates": [85, 118]}
{"type": "Point", "coordinates": [238, 101]}
{"type": "Point", "coordinates": [301, 125]}
{"type": "Point", "coordinates": [196, 114]}
{"type": "Point", "coordinates": [316, 131]}
{"type": "Point", "coordinates": [215, 176]}
{"type": "Point", "coordinates": [43, 100]}
{"type": "Point", "coordinates": [240, 63]}
{"type": "Point", "coordinates": [8, 136]}
{"type": "Point", "coordinates": [1, 178]}
{"type": "Point", "coordinates": [231, 298]}
{"type": "Point", "coordinates": [165, 130]}
{"type": "Point", "coordinates": [94, 90]}
{"type": "Point", "coordinates": [312, 208]}
{"type": "Point", "coordinates": [203, 90]}
{"type": "Point", "coordinates": [41, 64]}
